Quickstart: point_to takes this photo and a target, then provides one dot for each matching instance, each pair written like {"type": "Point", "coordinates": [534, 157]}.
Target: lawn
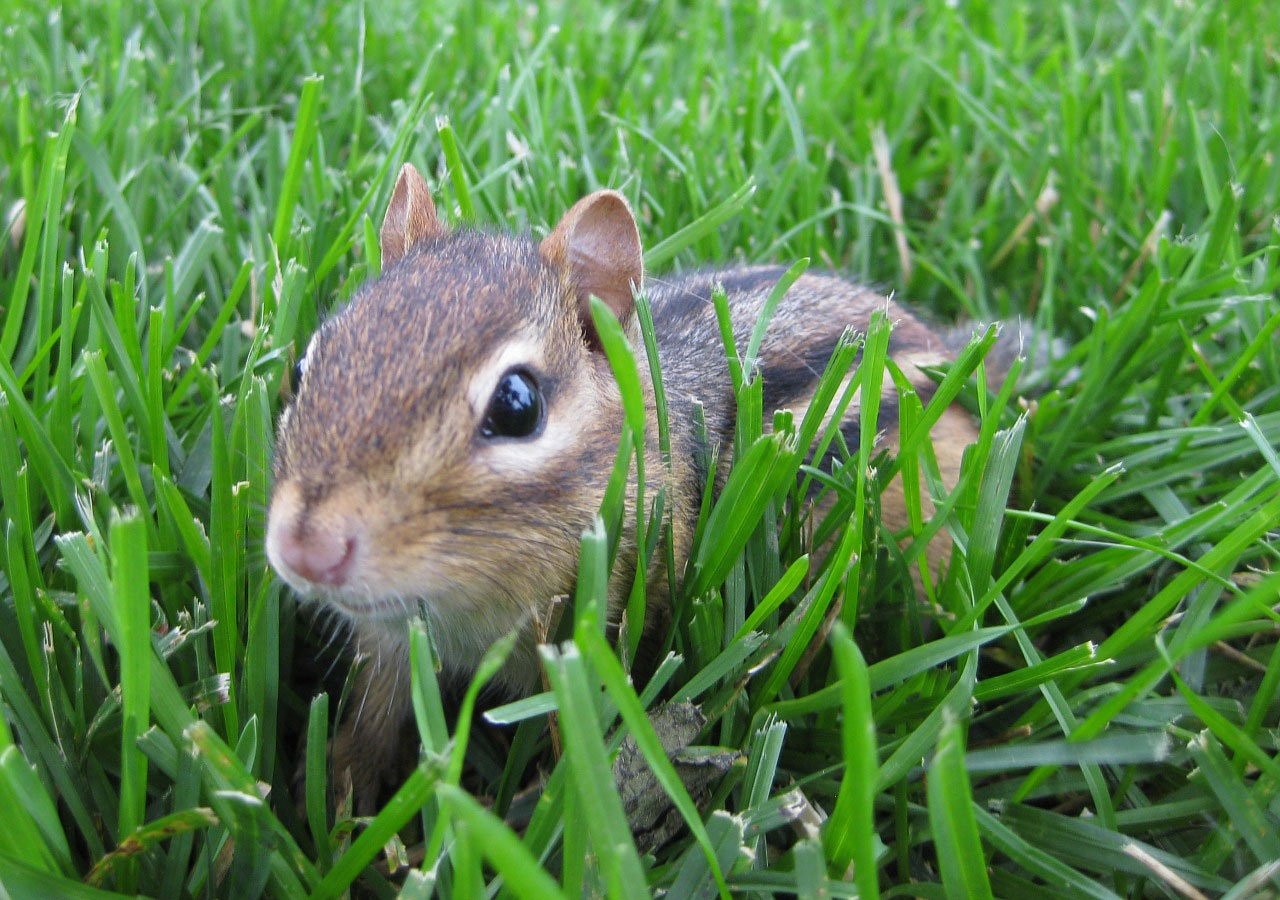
{"type": "Point", "coordinates": [1087, 705]}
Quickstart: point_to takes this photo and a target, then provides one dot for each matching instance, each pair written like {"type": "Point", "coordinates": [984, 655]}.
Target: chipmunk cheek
{"type": "Point", "coordinates": [524, 458]}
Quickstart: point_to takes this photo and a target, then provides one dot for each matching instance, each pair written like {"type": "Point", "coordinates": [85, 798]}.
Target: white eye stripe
{"type": "Point", "coordinates": [304, 361]}
{"type": "Point", "coordinates": [521, 459]}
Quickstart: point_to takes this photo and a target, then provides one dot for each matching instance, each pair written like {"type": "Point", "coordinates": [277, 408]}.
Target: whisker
{"type": "Point", "coordinates": [503, 536]}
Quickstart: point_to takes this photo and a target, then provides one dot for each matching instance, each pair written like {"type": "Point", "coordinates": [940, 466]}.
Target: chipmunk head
{"type": "Point", "coordinates": [454, 426]}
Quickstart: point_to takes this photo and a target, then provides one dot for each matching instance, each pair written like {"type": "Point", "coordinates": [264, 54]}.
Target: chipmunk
{"type": "Point", "coordinates": [454, 427]}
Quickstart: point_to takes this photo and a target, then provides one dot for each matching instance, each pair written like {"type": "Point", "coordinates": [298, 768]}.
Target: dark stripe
{"type": "Point", "coordinates": [700, 464]}
{"type": "Point", "coordinates": [674, 307]}
{"type": "Point", "coordinates": [704, 447]}
{"type": "Point", "coordinates": [782, 384]}
{"type": "Point", "coordinates": [750, 280]}
{"type": "Point", "coordinates": [926, 391]}
{"type": "Point", "coordinates": [888, 417]}
{"type": "Point", "coordinates": [851, 431]}
{"type": "Point", "coordinates": [684, 298]}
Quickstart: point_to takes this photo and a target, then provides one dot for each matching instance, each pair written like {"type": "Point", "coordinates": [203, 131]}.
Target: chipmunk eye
{"type": "Point", "coordinates": [515, 410]}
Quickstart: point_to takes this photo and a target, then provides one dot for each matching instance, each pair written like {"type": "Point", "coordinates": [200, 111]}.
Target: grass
{"type": "Point", "coordinates": [1088, 706]}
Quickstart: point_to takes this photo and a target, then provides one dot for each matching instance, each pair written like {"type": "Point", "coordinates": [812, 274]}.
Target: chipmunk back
{"type": "Point", "coordinates": [455, 426]}
{"type": "Point", "coordinates": [805, 328]}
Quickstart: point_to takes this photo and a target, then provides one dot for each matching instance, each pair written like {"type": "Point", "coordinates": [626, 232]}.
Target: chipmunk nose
{"type": "Point", "coordinates": [320, 555]}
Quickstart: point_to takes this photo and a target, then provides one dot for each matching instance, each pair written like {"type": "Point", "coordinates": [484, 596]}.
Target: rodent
{"type": "Point", "coordinates": [455, 425]}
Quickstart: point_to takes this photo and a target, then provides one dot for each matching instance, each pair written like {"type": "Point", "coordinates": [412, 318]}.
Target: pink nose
{"type": "Point", "coordinates": [322, 556]}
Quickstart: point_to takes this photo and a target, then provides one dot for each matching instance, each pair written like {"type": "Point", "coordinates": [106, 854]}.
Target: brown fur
{"type": "Point", "coordinates": [477, 535]}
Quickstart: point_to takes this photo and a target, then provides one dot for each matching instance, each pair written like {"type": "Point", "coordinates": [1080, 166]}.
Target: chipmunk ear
{"type": "Point", "coordinates": [411, 216]}
{"type": "Point", "coordinates": [598, 246]}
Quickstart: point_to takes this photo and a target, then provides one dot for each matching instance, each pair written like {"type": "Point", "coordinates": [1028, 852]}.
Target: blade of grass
{"type": "Point", "coordinates": [596, 651]}
{"type": "Point", "coordinates": [304, 135]}
{"type": "Point", "coordinates": [520, 871]}
{"type": "Point", "coordinates": [665, 250]}
{"type": "Point", "coordinates": [131, 598]}
{"type": "Point", "coordinates": [406, 802]}
{"type": "Point", "coordinates": [603, 819]}
{"type": "Point", "coordinates": [955, 828]}
{"type": "Point", "coordinates": [850, 833]}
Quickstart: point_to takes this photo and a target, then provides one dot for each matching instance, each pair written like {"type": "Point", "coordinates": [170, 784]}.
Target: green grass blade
{"type": "Point", "coordinates": [304, 134]}
{"type": "Point", "coordinates": [601, 808]}
{"type": "Point", "coordinates": [665, 250]}
{"type": "Point", "coordinates": [457, 170]}
{"type": "Point", "coordinates": [317, 779]}
{"type": "Point", "coordinates": [754, 481]}
{"type": "Point", "coordinates": [21, 879]}
{"type": "Point", "coordinates": [520, 871]}
{"type": "Point", "coordinates": [1035, 860]}
{"type": "Point", "coordinates": [596, 651]}
{"type": "Point", "coordinates": [32, 832]}
{"type": "Point", "coordinates": [850, 832]}
{"type": "Point", "coordinates": [411, 796]}
{"type": "Point", "coordinates": [955, 829]}
{"type": "Point", "coordinates": [132, 600]}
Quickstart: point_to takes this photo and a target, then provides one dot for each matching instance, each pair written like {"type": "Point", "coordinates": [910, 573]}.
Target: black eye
{"type": "Point", "coordinates": [515, 410]}
{"type": "Point", "coordinates": [295, 380]}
